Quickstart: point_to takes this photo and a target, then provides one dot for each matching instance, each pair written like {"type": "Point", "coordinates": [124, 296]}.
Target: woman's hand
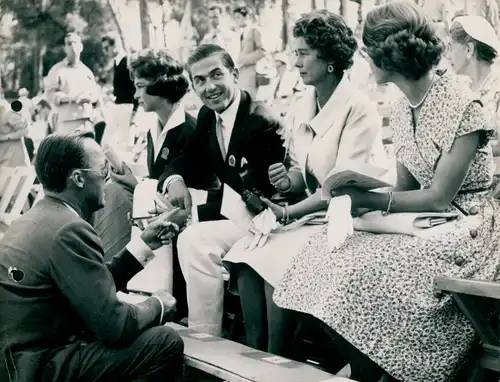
{"type": "Point", "coordinates": [277, 210]}
{"type": "Point", "coordinates": [278, 177]}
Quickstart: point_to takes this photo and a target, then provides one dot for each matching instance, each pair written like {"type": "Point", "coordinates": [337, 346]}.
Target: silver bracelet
{"type": "Point", "coordinates": [162, 308]}
{"type": "Point", "coordinates": [389, 205]}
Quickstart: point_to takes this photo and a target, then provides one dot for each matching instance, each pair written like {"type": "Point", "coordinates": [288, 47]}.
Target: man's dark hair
{"type": "Point", "coordinates": [109, 39]}
{"type": "Point", "coordinates": [206, 50]}
{"type": "Point", "coordinates": [215, 7]}
{"type": "Point", "coordinates": [57, 156]}
{"type": "Point", "coordinates": [242, 10]}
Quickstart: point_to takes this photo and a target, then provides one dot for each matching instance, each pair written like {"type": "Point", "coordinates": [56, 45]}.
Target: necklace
{"type": "Point", "coordinates": [318, 105]}
{"type": "Point", "coordinates": [425, 95]}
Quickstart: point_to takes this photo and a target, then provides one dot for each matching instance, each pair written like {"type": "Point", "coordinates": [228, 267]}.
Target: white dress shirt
{"type": "Point", "coordinates": [228, 117]}
{"type": "Point", "coordinates": [159, 133]}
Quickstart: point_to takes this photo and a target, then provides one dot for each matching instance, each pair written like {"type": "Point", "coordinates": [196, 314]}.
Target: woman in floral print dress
{"type": "Point", "coordinates": [376, 291]}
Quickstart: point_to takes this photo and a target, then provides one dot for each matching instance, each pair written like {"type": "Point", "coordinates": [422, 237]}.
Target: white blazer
{"type": "Point", "coordinates": [348, 127]}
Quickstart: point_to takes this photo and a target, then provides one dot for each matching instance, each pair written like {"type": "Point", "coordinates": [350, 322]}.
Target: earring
{"type": "Point", "coordinates": [330, 68]}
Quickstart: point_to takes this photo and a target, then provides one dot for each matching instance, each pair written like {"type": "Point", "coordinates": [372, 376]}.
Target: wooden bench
{"type": "Point", "coordinates": [476, 300]}
{"type": "Point", "coordinates": [234, 362]}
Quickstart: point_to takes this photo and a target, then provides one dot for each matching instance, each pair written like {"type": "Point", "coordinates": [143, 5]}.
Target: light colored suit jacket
{"type": "Point", "coordinates": [348, 127]}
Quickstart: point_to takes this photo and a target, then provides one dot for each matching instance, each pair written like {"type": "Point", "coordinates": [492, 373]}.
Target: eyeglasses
{"type": "Point", "coordinates": [103, 174]}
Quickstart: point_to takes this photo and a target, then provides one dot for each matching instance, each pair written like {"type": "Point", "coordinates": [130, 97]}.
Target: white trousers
{"type": "Point", "coordinates": [201, 248]}
{"type": "Point", "coordinates": [158, 274]}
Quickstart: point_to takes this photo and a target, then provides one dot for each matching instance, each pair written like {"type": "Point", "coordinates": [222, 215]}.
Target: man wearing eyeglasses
{"type": "Point", "coordinates": [60, 316]}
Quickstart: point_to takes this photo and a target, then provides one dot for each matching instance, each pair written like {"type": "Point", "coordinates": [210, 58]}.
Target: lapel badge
{"type": "Point", "coordinates": [232, 161]}
{"type": "Point", "coordinates": [244, 162]}
{"type": "Point", "coordinates": [164, 153]}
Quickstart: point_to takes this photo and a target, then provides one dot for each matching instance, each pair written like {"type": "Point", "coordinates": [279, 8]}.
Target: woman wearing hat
{"type": "Point", "coordinates": [473, 49]}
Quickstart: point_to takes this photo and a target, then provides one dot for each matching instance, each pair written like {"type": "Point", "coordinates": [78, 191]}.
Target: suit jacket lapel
{"type": "Point", "coordinates": [240, 124]}
{"type": "Point", "coordinates": [151, 153]}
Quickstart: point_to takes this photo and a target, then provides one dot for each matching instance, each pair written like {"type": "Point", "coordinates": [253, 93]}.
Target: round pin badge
{"type": "Point", "coordinates": [164, 153]}
{"type": "Point", "coordinates": [232, 161]}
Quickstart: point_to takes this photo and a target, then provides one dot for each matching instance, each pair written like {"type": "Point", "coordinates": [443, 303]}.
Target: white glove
{"type": "Point", "coordinates": [340, 222]}
{"type": "Point", "coordinates": [261, 227]}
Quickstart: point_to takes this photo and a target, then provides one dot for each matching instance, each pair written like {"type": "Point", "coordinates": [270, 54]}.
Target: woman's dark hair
{"type": "Point", "coordinates": [57, 156]}
{"type": "Point", "coordinates": [165, 73]}
{"type": "Point", "coordinates": [329, 34]}
{"type": "Point", "coordinates": [399, 38]}
{"type": "Point", "coordinates": [483, 52]}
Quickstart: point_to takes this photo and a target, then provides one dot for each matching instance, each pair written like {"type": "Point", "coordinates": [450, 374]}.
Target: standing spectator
{"type": "Point", "coordinates": [251, 50]}
{"type": "Point", "coordinates": [220, 34]}
{"type": "Point", "coordinates": [72, 89]}
{"type": "Point", "coordinates": [13, 131]}
{"type": "Point", "coordinates": [126, 106]}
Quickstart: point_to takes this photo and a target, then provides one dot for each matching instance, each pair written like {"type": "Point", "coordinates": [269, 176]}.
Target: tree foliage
{"type": "Point", "coordinates": [38, 34]}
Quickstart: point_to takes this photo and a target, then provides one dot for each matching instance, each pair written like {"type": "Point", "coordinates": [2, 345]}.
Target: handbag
{"type": "Point", "coordinates": [420, 224]}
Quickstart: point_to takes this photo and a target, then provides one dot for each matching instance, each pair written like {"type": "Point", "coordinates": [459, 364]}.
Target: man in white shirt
{"type": "Point", "coordinates": [219, 33]}
{"type": "Point", "coordinates": [72, 89]}
{"type": "Point", "coordinates": [236, 139]}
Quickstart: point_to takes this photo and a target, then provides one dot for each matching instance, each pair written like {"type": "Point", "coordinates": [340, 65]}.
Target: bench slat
{"type": "Point", "coordinates": [234, 362]}
{"type": "Point", "coordinates": [470, 287]}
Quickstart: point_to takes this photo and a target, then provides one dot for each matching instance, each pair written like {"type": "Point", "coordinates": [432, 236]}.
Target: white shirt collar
{"type": "Point", "coordinates": [228, 116]}
{"type": "Point", "coordinates": [158, 135]}
{"type": "Point", "coordinates": [71, 209]}
{"type": "Point", "coordinates": [119, 58]}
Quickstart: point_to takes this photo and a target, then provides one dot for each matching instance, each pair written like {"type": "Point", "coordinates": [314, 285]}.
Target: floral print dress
{"type": "Point", "coordinates": [377, 289]}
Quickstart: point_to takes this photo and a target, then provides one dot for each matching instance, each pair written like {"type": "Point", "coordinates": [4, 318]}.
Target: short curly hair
{"type": "Point", "coordinates": [330, 35]}
{"type": "Point", "coordinates": [162, 70]}
{"type": "Point", "coordinates": [400, 38]}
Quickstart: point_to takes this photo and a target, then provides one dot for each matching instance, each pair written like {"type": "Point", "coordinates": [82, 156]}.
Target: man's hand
{"type": "Point", "coordinates": [127, 179]}
{"type": "Point", "coordinates": [278, 177]}
{"type": "Point", "coordinates": [169, 305]}
{"type": "Point", "coordinates": [179, 196]}
{"type": "Point", "coordinates": [179, 218]}
{"type": "Point", "coordinates": [161, 230]}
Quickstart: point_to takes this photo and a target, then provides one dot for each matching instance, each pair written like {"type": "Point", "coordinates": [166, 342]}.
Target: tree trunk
{"type": "Point", "coordinates": [164, 22]}
{"type": "Point", "coordinates": [284, 29]}
{"type": "Point", "coordinates": [313, 5]}
{"type": "Point", "coordinates": [119, 28]}
{"type": "Point", "coordinates": [343, 8]}
{"type": "Point", "coordinates": [144, 16]}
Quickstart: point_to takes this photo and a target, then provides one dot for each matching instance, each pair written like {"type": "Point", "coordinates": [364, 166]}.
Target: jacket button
{"type": "Point", "coordinates": [473, 233]}
{"type": "Point", "coordinates": [474, 210]}
{"type": "Point", "coordinates": [459, 261]}
{"type": "Point", "coordinates": [438, 293]}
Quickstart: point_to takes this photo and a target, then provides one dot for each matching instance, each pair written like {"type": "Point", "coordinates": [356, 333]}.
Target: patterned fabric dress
{"type": "Point", "coordinates": [377, 289]}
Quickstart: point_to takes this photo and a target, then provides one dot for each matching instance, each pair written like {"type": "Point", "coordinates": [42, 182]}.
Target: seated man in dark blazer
{"type": "Point", "coordinates": [160, 86]}
{"type": "Point", "coordinates": [60, 316]}
{"type": "Point", "coordinates": [236, 138]}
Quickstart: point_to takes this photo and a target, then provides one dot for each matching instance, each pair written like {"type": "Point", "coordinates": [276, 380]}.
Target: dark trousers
{"type": "Point", "coordinates": [156, 355]}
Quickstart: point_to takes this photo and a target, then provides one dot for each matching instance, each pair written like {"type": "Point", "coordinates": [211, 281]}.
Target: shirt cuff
{"type": "Point", "coordinates": [140, 250]}
{"type": "Point", "coordinates": [169, 180]}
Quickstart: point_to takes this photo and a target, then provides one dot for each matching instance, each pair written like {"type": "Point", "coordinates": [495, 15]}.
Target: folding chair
{"type": "Point", "coordinates": [14, 195]}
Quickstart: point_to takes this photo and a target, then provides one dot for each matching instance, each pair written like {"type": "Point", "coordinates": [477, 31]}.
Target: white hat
{"type": "Point", "coordinates": [480, 30]}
